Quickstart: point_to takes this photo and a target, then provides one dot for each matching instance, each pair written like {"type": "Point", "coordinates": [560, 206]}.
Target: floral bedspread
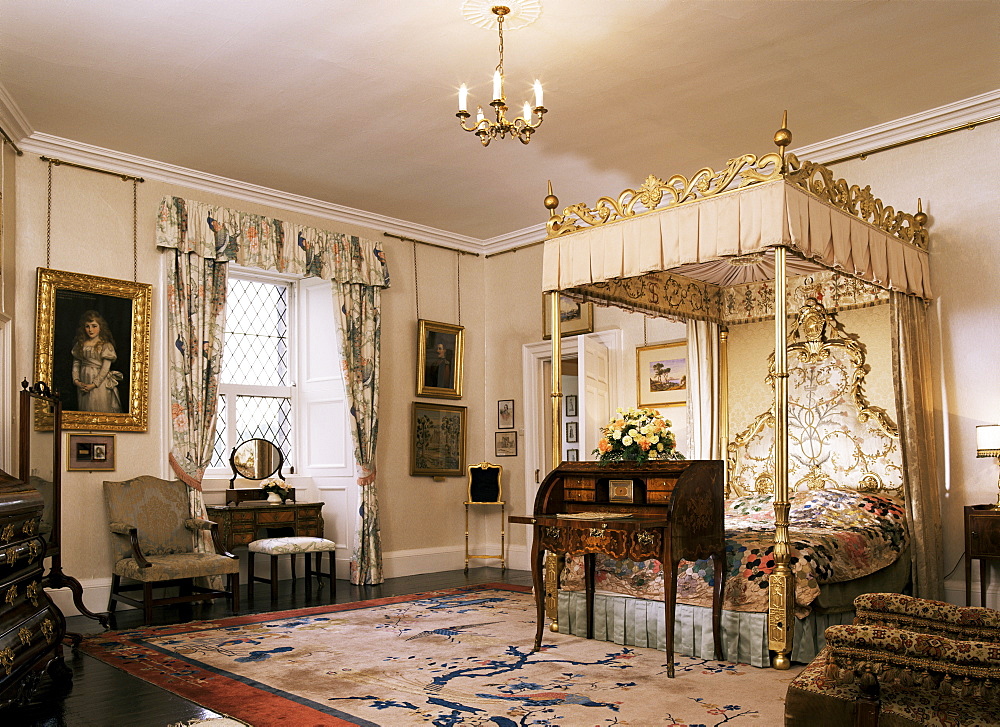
{"type": "Point", "coordinates": [835, 535]}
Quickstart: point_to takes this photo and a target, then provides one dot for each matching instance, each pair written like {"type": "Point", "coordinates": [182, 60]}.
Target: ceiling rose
{"type": "Point", "coordinates": [522, 13]}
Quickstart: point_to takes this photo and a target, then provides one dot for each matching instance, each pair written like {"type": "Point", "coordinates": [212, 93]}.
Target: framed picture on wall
{"type": "Point", "coordinates": [505, 414]}
{"type": "Point", "coordinates": [575, 317]}
{"type": "Point", "coordinates": [439, 360]}
{"type": "Point", "coordinates": [437, 448]}
{"type": "Point", "coordinates": [92, 346]}
{"type": "Point", "coordinates": [661, 374]}
{"type": "Point", "coordinates": [572, 455]}
{"type": "Point", "coordinates": [90, 452]}
{"type": "Point", "coordinates": [572, 431]}
{"type": "Point", "coordinates": [506, 444]}
{"type": "Point", "coordinates": [571, 405]}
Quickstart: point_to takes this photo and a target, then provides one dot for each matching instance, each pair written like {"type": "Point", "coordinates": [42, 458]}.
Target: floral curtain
{"type": "Point", "coordinates": [358, 271]}
{"type": "Point", "coordinates": [911, 368]}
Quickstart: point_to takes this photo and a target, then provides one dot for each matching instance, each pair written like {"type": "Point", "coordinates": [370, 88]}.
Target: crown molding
{"type": "Point", "coordinates": [12, 119]}
{"type": "Point", "coordinates": [80, 153]}
{"type": "Point", "coordinates": [966, 111]}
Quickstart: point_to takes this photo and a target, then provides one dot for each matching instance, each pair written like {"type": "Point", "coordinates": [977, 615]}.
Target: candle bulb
{"type": "Point", "coordinates": [527, 112]}
{"type": "Point", "coordinates": [479, 114]}
{"type": "Point", "coordinates": [497, 86]}
{"type": "Point", "coordinates": [538, 93]}
{"type": "Point", "coordinates": [463, 98]}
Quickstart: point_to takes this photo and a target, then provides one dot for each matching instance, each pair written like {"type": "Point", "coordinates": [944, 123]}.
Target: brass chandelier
{"type": "Point", "coordinates": [520, 128]}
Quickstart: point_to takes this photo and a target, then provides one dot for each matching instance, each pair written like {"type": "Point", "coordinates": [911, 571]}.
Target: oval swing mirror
{"type": "Point", "coordinates": [256, 459]}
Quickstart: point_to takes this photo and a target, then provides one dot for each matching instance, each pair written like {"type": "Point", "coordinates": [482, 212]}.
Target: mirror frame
{"type": "Point", "coordinates": [237, 473]}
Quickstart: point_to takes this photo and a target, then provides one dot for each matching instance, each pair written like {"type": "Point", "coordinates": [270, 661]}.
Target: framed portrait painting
{"type": "Point", "coordinates": [661, 374]}
{"type": "Point", "coordinates": [439, 360]}
{"type": "Point", "coordinates": [574, 317]}
{"type": "Point", "coordinates": [90, 452]}
{"type": "Point", "coordinates": [505, 444]}
{"type": "Point", "coordinates": [438, 445]}
{"type": "Point", "coordinates": [92, 346]}
{"type": "Point", "coordinates": [505, 414]}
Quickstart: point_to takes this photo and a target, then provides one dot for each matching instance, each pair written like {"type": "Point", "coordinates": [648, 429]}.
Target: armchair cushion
{"type": "Point", "coordinates": [178, 565]}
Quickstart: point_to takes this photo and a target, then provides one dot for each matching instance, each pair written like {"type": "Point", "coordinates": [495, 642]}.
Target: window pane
{"type": "Point", "coordinates": [256, 351]}
{"type": "Point", "coordinates": [265, 417]}
{"type": "Point", "coordinates": [220, 453]}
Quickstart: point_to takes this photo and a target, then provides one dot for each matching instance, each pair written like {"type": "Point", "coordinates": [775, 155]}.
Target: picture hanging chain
{"type": "Point", "coordinates": [135, 231]}
{"type": "Point", "coordinates": [458, 275]}
{"type": "Point", "coordinates": [416, 283]}
{"type": "Point", "coordinates": [644, 319]}
{"type": "Point", "coordinates": [48, 222]}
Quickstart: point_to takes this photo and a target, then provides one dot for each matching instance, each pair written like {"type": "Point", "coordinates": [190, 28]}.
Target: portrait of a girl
{"type": "Point", "coordinates": [93, 353]}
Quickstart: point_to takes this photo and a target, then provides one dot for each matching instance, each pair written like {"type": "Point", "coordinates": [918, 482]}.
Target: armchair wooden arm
{"type": "Point", "coordinates": [198, 523]}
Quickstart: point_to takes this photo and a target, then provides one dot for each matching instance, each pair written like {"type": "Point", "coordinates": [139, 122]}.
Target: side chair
{"type": "Point", "coordinates": [153, 537]}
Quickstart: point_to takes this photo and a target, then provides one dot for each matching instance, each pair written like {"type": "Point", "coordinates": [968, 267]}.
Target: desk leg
{"type": "Point", "coordinates": [983, 570]}
{"type": "Point", "coordinates": [538, 581]}
{"type": "Point", "coordinates": [719, 568]}
{"type": "Point", "coordinates": [669, 600]}
{"type": "Point", "coordinates": [588, 581]}
{"type": "Point", "coordinates": [968, 578]}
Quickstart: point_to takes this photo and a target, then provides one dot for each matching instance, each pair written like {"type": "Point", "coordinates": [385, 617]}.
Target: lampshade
{"type": "Point", "coordinates": [988, 440]}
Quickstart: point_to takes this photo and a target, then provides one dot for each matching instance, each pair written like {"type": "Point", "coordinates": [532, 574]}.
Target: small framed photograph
{"type": "Point", "coordinates": [90, 452]}
{"type": "Point", "coordinates": [575, 317]}
{"type": "Point", "coordinates": [620, 491]}
{"type": "Point", "coordinates": [438, 446]}
{"type": "Point", "coordinates": [506, 444]}
{"type": "Point", "coordinates": [572, 431]}
{"type": "Point", "coordinates": [572, 455]}
{"type": "Point", "coordinates": [571, 405]}
{"type": "Point", "coordinates": [661, 374]}
{"type": "Point", "coordinates": [505, 414]}
{"type": "Point", "coordinates": [439, 360]}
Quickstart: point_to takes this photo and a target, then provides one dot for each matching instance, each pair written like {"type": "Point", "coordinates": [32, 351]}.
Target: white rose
{"type": "Point", "coordinates": [616, 434]}
{"type": "Point", "coordinates": [626, 440]}
{"type": "Point", "coordinates": [654, 439]}
{"type": "Point", "coordinates": [633, 433]}
{"type": "Point", "coordinates": [659, 447]}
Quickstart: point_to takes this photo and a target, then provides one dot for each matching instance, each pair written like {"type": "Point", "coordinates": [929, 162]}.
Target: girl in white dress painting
{"type": "Point", "coordinates": [93, 353]}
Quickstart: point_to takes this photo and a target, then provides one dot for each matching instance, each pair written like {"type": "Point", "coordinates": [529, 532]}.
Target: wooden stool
{"type": "Point", "coordinates": [292, 546]}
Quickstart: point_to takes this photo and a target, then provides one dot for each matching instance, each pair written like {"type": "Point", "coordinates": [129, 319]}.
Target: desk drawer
{"type": "Point", "coordinates": [244, 516]}
{"type": "Point", "coordinates": [580, 495]}
{"type": "Point", "coordinates": [281, 517]}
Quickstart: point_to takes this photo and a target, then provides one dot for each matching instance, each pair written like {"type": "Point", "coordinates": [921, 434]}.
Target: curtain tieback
{"type": "Point", "coordinates": [369, 477]}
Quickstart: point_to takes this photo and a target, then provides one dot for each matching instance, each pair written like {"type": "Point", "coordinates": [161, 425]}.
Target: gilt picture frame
{"type": "Point", "coordinates": [437, 447]}
{"type": "Point", "coordinates": [441, 348]}
{"type": "Point", "coordinates": [92, 346]}
{"type": "Point", "coordinates": [661, 374]}
{"type": "Point", "coordinates": [575, 317]}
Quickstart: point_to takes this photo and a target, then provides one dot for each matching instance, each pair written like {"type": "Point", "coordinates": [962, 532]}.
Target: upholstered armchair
{"type": "Point", "coordinates": [904, 661]}
{"type": "Point", "coordinates": [153, 539]}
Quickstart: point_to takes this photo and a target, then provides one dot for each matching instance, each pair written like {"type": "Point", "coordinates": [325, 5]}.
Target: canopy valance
{"type": "Point", "coordinates": [228, 235]}
{"type": "Point", "coordinates": [728, 239]}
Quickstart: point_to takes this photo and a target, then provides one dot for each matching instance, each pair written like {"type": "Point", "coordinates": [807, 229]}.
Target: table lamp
{"type": "Point", "coordinates": [988, 445]}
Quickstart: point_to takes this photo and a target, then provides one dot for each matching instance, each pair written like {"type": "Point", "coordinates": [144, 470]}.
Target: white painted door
{"type": "Point", "coordinates": [325, 450]}
{"type": "Point", "coordinates": [595, 384]}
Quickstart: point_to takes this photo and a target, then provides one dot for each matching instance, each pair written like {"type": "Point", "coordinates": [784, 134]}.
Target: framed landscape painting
{"type": "Point", "coordinates": [92, 346]}
{"type": "Point", "coordinates": [575, 317]}
{"type": "Point", "coordinates": [438, 445]}
{"type": "Point", "coordinates": [661, 374]}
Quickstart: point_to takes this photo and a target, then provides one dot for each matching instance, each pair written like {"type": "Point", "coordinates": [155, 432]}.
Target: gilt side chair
{"type": "Point", "coordinates": [153, 541]}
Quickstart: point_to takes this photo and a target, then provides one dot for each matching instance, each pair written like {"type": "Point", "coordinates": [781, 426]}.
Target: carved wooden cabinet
{"type": "Point", "coordinates": [31, 627]}
{"type": "Point", "coordinates": [982, 542]}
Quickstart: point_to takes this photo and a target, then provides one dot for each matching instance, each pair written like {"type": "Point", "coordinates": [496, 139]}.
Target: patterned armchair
{"type": "Point", "coordinates": [154, 544]}
{"type": "Point", "coordinates": [904, 661]}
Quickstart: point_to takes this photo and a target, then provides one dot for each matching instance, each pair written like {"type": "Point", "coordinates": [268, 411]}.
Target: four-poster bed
{"type": "Point", "coordinates": [676, 248]}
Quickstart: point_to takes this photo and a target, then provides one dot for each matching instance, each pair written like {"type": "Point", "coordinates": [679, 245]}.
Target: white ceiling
{"type": "Point", "coordinates": [353, 102]}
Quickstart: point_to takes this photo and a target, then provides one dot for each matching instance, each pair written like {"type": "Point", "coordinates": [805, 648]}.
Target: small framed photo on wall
{"type": "Point", "coordinates": [506, 444]}
{"type": "Point", "coordinates": [571, 405]}
{"type": "Point", "coordinates": [90, 452]}
{"type": "Point", "coordinates": [572, 431]}
{"type": "Point", "coordinates": [572, 455]}
{"type": "Point", "coordinates": [505, 414]}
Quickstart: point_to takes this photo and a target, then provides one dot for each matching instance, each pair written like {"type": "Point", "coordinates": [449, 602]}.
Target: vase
{"type": "Point", "coordinates": [273, 498]}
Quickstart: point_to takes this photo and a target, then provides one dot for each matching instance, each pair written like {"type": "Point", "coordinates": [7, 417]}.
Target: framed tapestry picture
{"type": "Point", "coordinates": [439, 360]}
{"type": "Point", "coordinates": [91, 452]}
{"type": "Point", "coordinates": [506, 444]}
{"type": "Point", "coordinates": [92, 346]}
{"type": "Point", "coordinates": [575, 317]}
{"type": "Point", "coordinates": [505, 414]}
{"type": "Point", "coordinates": [661, 374]}
{"type": "Point", "coordinates": [438, 445]}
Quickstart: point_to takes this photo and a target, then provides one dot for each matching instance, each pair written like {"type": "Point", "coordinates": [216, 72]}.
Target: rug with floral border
{"type": "Point", "coordinates": [455, 656]}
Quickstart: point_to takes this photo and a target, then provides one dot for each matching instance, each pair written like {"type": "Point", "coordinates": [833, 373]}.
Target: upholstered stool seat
{"type": "Point", "coordinates": [292, 546]}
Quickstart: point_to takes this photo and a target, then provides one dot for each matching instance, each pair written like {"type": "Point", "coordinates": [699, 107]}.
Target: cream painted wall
{"type": "Point", "coordinates": [92, 234]}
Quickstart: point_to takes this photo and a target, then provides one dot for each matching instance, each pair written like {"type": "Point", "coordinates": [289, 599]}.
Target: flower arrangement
{"type": "Point", "coordinates": [636, 435]}
{"type": "Point", "coordinates": [276, 486]}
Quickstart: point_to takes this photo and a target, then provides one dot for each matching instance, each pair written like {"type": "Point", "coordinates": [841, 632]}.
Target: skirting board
{"type": "Point", "coordinates": [416, 561]}
{"type": "Point", "coordinates": [954, 593]}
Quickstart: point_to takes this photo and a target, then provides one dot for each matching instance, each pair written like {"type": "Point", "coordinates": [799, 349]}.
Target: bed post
{"type": "Point", "coordinates": [551, 560]}
{"type": "Point", "coordinates": [724, 405]}
{"type": "Point", "coordinates": [781, 591]}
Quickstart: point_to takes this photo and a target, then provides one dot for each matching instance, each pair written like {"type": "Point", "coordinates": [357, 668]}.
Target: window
{"type": "Point", "coordinates": [255, 387]}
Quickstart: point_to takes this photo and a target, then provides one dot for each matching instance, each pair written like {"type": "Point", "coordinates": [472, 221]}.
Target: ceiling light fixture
{"type": "Point", "coordinates": [521, 128]}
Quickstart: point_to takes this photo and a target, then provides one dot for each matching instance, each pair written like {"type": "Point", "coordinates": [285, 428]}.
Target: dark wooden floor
{"type": "Point", "coordinates": [101, 695]}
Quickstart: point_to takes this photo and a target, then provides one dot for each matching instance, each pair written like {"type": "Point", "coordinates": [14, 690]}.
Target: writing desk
{"type": "Point", "coordinates": [239, 523]}
{"type": "Point", "coordinates": [674, 511]}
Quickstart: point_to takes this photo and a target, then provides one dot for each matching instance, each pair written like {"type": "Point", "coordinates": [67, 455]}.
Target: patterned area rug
{"type": "Point", "coordinates": [461, 656]}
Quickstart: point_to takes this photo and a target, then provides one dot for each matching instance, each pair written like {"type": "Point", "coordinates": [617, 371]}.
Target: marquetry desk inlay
{"type": "Point", "coordinates": [676, 513]}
